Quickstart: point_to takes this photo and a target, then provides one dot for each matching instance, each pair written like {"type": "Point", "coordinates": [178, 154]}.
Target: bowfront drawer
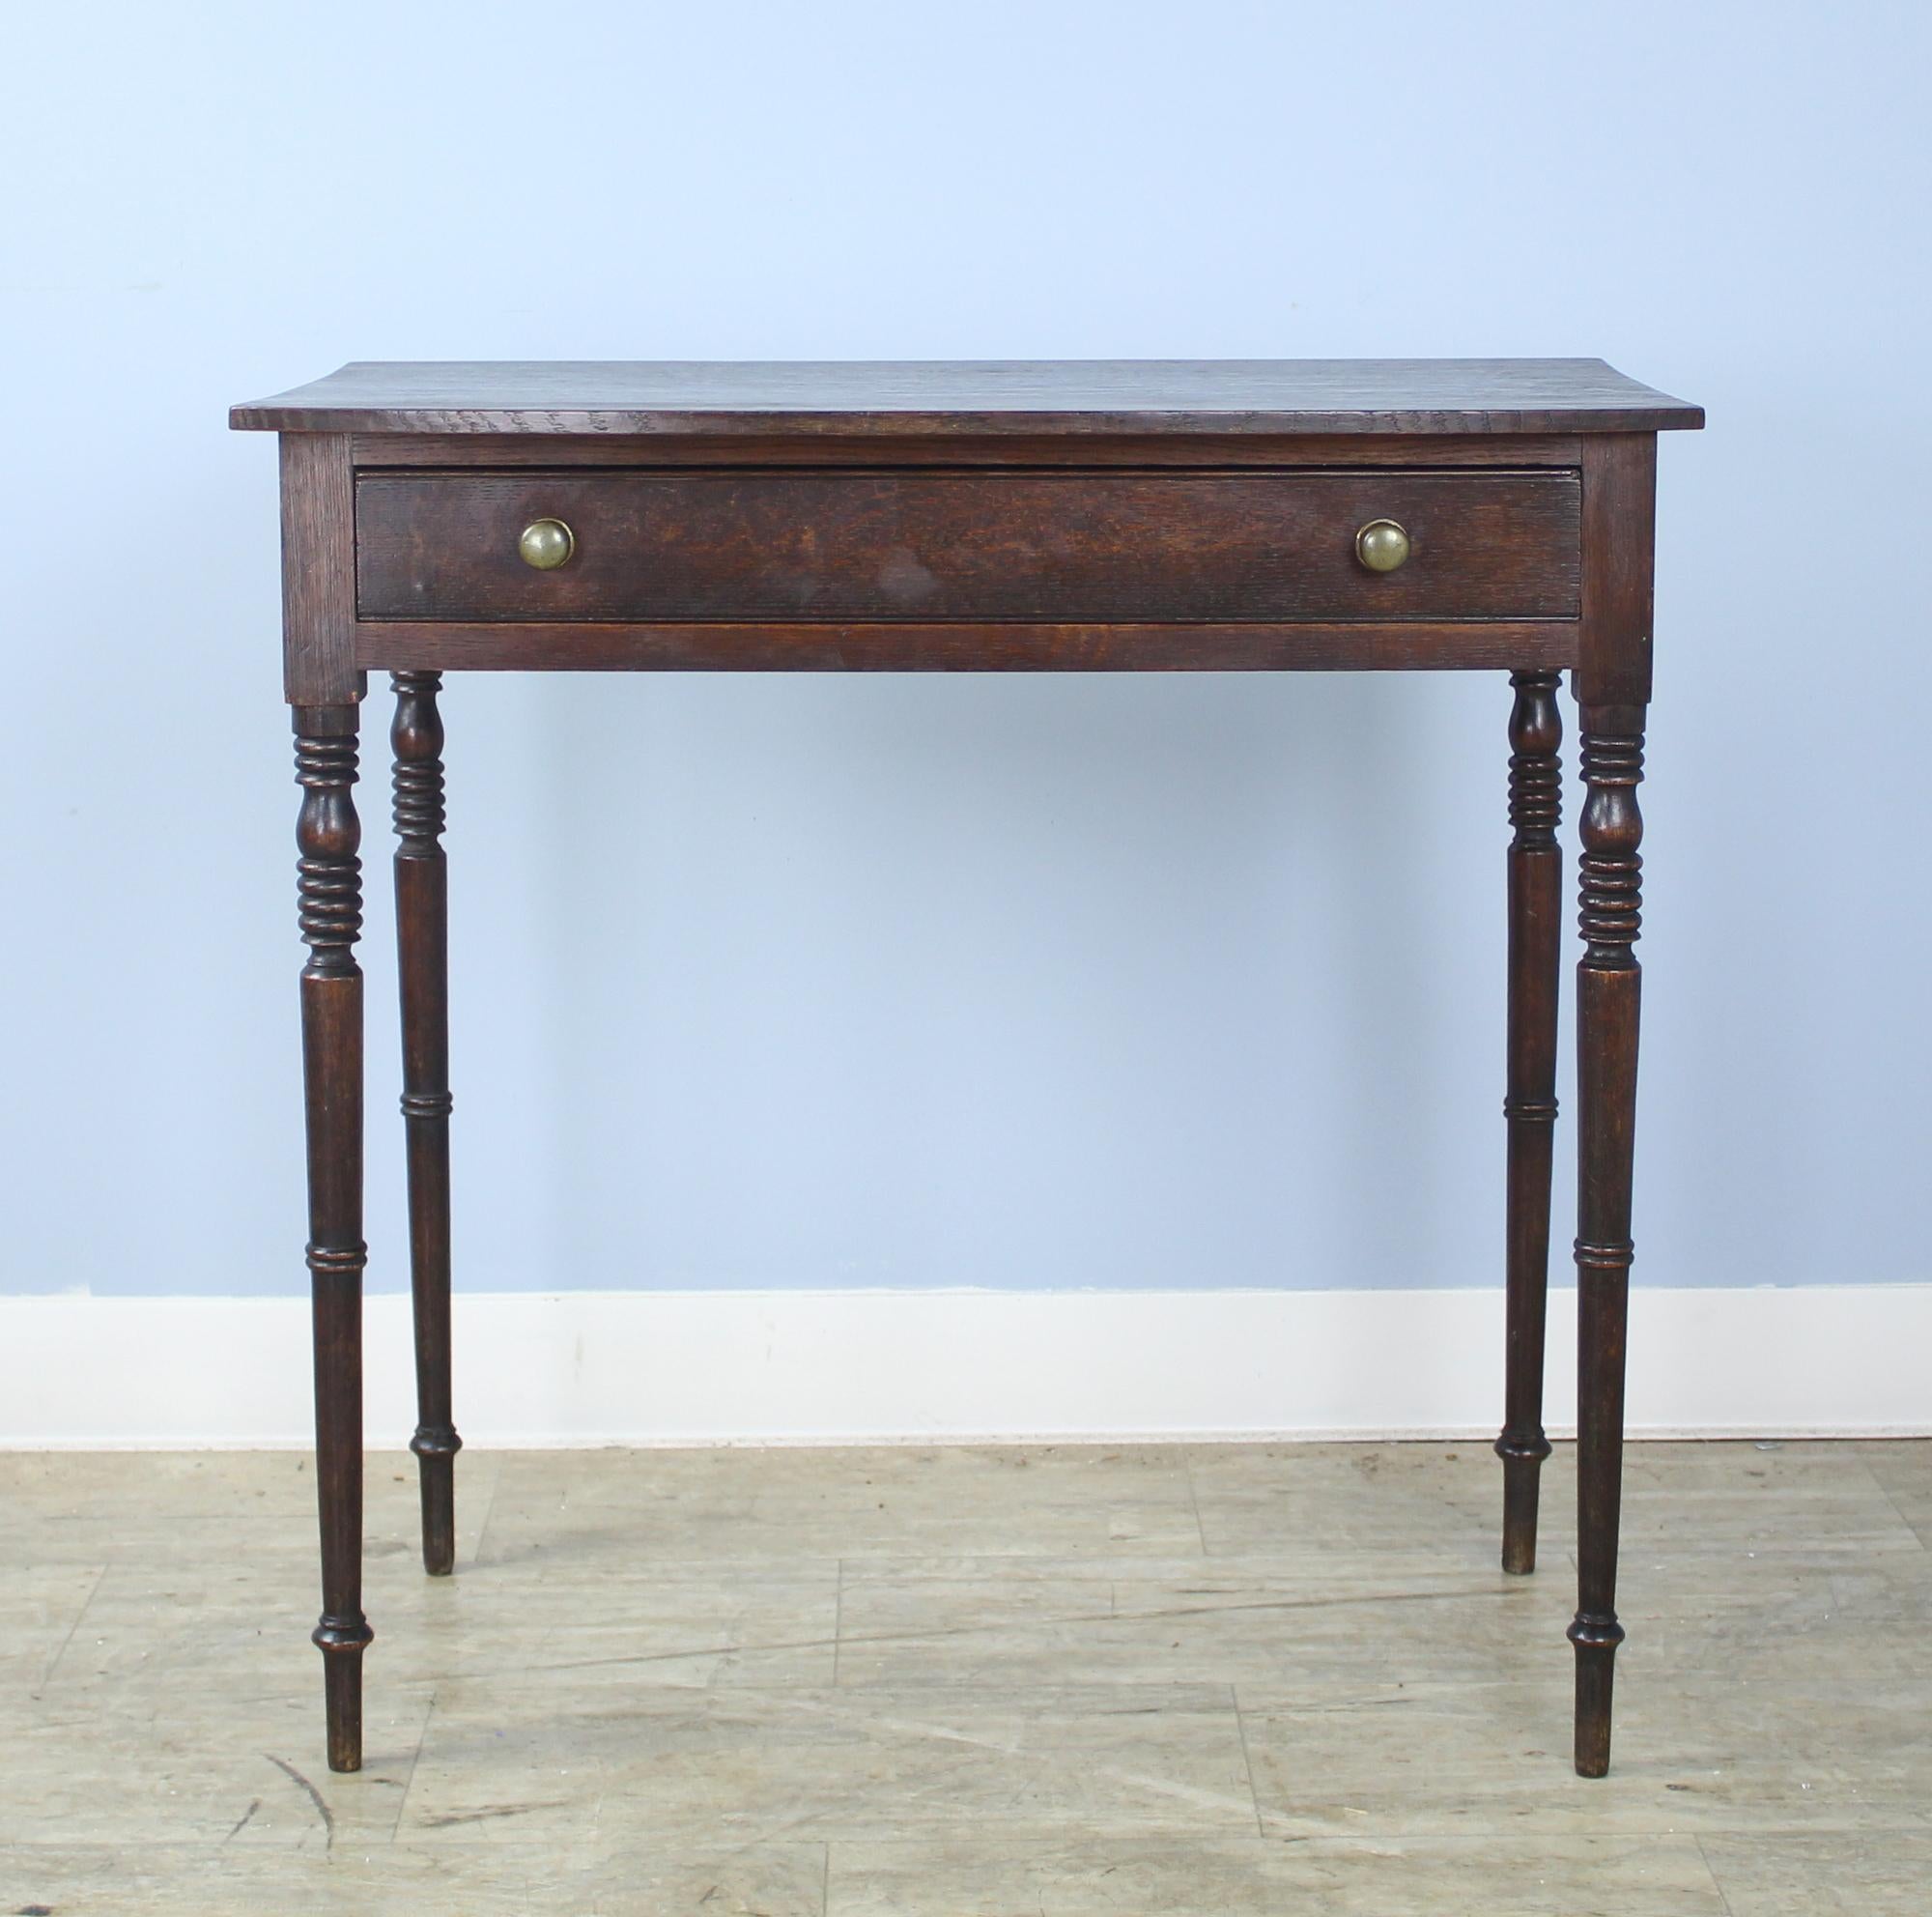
{"type": "Point", "coordinates": [1074, 548]}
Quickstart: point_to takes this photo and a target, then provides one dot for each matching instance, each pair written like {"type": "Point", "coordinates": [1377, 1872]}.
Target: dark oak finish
{"type": "Point", "coordinates": [422, 948]}
{"type": "Point", "coordinates": [991, 548]}
{"type": "Point", "coordinates": [976, 399]}
{"type": "Point", "coordinates": [1619, 530]}
{"type": "Point", "coordinates": [1102, 517]}
{"type": "Point", "coordinates": [318, 572]}
{"type": "Point", "coordinates": [328, 836]}
{"type": "Point", "coordinates": [1529, 1106]}
{"type": "Point", "coordinates": [1036, 451]}
{"type": "Point", "coordinates": [1612, 684]}
{"type": "Point", "coordinates": [526, 646]}
{"type": "Point", "coordinates": [1608, 982]}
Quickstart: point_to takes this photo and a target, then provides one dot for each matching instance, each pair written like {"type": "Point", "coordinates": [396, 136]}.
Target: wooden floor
{"type": "Point", "coordinates": [970, 1682]}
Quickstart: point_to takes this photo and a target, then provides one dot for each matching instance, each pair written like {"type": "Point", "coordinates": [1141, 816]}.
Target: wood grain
{"type": "Point", "coordinates": [1041, 548]}
{"type": "Point", "coordinates": [1500, 645]}
{"type": "Point", "coordinates": [328, 837]}
{"type": "Point", "coordinates": [422, 966]}
{"type": "Point", "coordinates": [1613, 684]}
{"type": "Point", "coordinates": [974, 398]}
{"type": "Point", "coordinates": [1176, 516]}
{"type": "Point", "coordinates": [318, 572]}
{"type": "Point", "coordinates": [1619, 537]}
{"type": "Point", "coordinates": [1609, 984]}
{"type": "Point", "coordinates": [455, 451]}
{"type": "Point", "coordinates": [1529, 1104]}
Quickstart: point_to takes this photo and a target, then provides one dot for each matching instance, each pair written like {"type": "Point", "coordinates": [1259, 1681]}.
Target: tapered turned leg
{"type": "Point", "coordinates": [1608, 985]}
{"type": "Point", "coordinates": [1529, 1106]}
{"type": "Point", "coordinates": [330, 885]}
{"type": "Point", "coordinates": [422, 938]}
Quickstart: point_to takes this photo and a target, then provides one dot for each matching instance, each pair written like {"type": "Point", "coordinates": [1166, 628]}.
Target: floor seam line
{"type": "Point", "coordinates": [1898, 1510]}
{"type": "Point", "coordinates": [1716, 1882]}
{"type": "Point", "coordinates": [1247, 1757]}
{"type": "Point", "coordinates": [415, 1757]}
{"type": "Point", "coordinates": [837, 1628]}
{"type": "Point", "coordinates": [1194, 1499]}
{"type": "Point", "coordinates": [489, 1512]}
{"type": "Point", "coordinates": [53, 1663]}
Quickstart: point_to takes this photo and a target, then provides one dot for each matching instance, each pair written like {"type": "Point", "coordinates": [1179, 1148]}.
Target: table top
{"type": "Point", "coordinates": [971, 399]}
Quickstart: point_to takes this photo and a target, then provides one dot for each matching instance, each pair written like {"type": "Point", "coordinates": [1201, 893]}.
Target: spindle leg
{"type": "Point", "coordinates": [328, 836]}
{"type": "Point", "coordinates": [1529, 1106]}
{"type": "Point", "coordinates": [1608, 982]}
{"type": "Point", "coordinates": [423, 941]}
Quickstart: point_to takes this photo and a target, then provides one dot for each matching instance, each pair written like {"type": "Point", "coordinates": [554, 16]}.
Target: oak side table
{"type": "Point", "coordinates": [1090, 517]}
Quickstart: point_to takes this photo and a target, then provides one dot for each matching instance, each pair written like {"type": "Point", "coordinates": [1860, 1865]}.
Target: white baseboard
{"type": "Point", "coordinates": [949, 1367]}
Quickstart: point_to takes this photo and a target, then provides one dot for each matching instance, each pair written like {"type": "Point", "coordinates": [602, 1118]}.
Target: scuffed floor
{"type": "Point", "coordinates": [1214, 1681]}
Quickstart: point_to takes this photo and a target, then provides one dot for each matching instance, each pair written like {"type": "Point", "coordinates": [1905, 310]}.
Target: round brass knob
{"type": "Point", "coordinates": [1381, 545]}
{"type": "Point", "coordinates": [546, 544]}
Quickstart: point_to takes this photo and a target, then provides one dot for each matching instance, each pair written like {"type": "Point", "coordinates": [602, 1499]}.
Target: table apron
{"type": "Point", "coordinates": [1408, 645]}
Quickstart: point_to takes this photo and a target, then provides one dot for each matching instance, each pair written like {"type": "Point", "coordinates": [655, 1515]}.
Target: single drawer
{"type": "Point", "coordinates": [1032, 548]}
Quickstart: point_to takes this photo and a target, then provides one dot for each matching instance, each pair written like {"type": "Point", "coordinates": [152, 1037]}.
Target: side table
{"type": "Point", "coordinates": [1163, 516]}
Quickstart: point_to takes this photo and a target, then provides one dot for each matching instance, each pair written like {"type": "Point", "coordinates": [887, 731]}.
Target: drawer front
{"type": "Point", "coordinates": [925, 547]}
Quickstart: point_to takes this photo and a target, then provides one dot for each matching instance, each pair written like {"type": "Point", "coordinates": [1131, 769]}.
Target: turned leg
{"type": "Point", "coordinates": [1607, 984]}
{"type": "Point", "coordinates": [327, 835]}
{"type": "Point", "coordinates": [1529, 1106]}
{"type": "Point", "coordinates": [422, 939]}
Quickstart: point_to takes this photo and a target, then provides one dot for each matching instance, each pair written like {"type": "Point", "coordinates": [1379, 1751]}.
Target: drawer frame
{"type": "Point", "coordinates": [330, 648]}
{"type": "Point", "coordinates": [989, 548]}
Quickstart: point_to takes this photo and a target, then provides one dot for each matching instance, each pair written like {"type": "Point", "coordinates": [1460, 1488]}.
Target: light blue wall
{"type": "Point", "coordinates": [1034, 981]}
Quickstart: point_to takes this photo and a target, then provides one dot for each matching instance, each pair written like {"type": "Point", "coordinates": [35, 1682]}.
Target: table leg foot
{"type": "Point", "coordinates": [1596, 1640]}
{"type": "Point", "coordinates": [436, 1482]}
{"type": "Point", "coordinates": [342, 1642]}
{"type": "Point", "coordinates": [1522, 1481]}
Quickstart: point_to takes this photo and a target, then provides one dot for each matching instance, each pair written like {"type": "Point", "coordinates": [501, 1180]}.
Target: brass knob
{"type": "Point", "coordinates": [1381, 545]}
{"type": "Point", "coordinates": [546, 544]}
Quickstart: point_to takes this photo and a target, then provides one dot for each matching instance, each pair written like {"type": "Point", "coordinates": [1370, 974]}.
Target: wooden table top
{"type": "Point", "coordinates": [973, 398]}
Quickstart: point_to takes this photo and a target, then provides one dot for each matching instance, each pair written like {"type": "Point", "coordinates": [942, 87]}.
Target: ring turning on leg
{"type": "Point", "coordinates": [1608, 982]}
{"type": "Point", "coordinates": [1529, 1107]}
{"type": "Point", "coordinates": [423, 941]}
{"type": "Point", "coordinates": [327, 835]}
